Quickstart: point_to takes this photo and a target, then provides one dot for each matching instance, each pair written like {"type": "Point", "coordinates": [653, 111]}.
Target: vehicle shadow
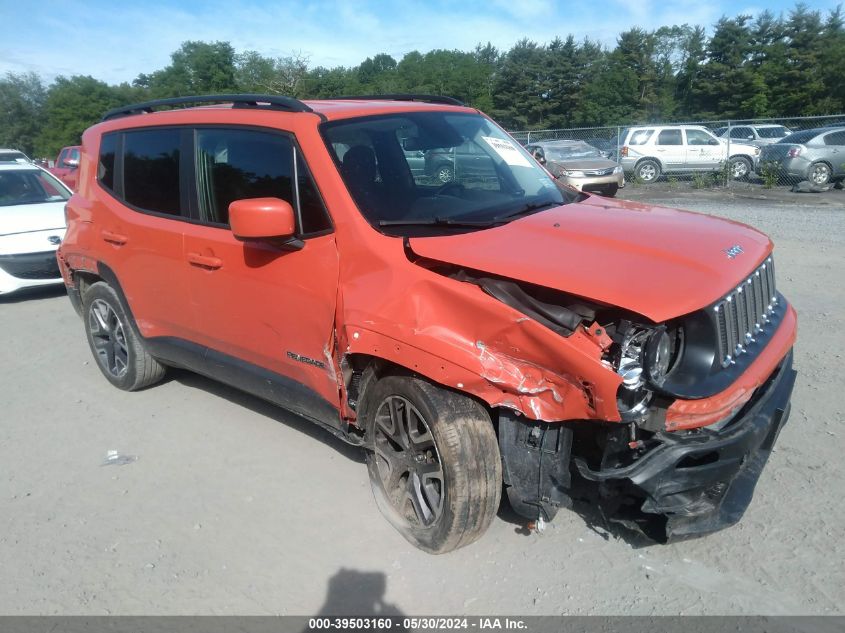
{"type": "Point", "coordinates": [266, 409]}
{"type": "Point", "coordinates": [34, 294]}
{"type": "Point", "coordinates": [587, 505]}
{"type": "Point", "coordinates": [358, 593]}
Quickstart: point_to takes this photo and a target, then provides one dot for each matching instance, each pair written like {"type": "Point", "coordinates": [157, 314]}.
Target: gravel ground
{"type": "Point", "coordinates": [234, 507]}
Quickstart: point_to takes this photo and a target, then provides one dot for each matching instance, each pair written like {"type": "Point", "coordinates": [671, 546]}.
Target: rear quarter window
{"type": "Point", "coordinates": [640, 137]}
{"type": "Point", "coordinates": [106, 161]}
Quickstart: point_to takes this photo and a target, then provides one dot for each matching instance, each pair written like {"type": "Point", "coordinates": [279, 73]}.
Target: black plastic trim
{"type": "Point", "coordinates": [704, 480]}
{"type": "Point", "coordinates": [274, 388]}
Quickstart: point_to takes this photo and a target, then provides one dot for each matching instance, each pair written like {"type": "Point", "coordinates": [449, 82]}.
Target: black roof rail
{"type": "Point", "coordinates": [403, 97]}
{"type": "Point", "coordinates": [273, 102]}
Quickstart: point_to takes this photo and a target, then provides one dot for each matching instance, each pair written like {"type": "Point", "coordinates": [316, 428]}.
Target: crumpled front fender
{"type": "Point", "coordinates": [455, 334]}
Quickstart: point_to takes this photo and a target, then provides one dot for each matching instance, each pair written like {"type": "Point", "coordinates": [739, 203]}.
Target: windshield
{"type": "Point", "coordinates": [776, 131]}
{"type": "Point", "coordinates": [30, 187]}
{"type": "Point", "coordinates": [571, 152]}
{"type": "Point", "coordinates": [438, 169]}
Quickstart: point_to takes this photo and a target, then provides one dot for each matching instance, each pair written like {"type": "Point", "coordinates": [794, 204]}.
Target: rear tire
{"type": "Point", "coordinates": [647, 171]}
{"type": "Point", "coordinates": [434, 462]}
{"type": "Point", "coordinates": [819, 174]}
{"type": "Point", "coordinates": [116, 346]}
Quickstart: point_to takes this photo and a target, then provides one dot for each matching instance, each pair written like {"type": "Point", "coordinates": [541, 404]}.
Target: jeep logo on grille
{"type": "Point", "coordinates": [733, 251]}
{"type": "Point", "coordinates": [54, 239]}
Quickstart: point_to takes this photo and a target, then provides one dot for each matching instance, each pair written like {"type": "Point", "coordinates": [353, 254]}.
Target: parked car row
{"type": "Point", "coordinates": [649, 152]}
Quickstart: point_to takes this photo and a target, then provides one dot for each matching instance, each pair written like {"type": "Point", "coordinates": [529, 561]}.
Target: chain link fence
{"type": "Point", "coordinates": [805, 153]}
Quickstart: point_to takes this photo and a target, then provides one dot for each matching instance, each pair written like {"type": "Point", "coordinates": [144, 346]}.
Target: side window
{"type": "Point", "coordinates": [315, 218]}
{"type": "Point", "coordinates": [640, 137]}
{"type": "Point", "coordinates": [670, 137]}
{"type": "Point", "coordinates": [835, 138]}
{"type": "Point", "coordinates": [741, 133]}
{"type": "Point", "coordinates": [151, 170]}
{"type": "Point", "coordinates": [74, 155]}
{"type": "Point", "coordinates": [62, 157]}
{"type": "Point", "coordinates": [105, 164]}
{"type": "Point", "coordinates": [236, 164]}
{"type": "Point", "coordinates": [699, 137]}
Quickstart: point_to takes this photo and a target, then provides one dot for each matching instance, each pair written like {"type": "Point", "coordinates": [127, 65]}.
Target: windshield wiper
{"type": "Point", "coordinates": [440, 221]}
{"type": "Point", "coordinates": [525, 210]}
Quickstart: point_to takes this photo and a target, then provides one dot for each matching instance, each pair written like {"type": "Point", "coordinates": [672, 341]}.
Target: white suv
{"type": "Point", "coordinates": [649, 151]}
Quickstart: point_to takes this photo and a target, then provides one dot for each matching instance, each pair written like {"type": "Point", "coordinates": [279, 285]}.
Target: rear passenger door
{"type": "Point", "coordinates": [139, 216]}
{"type": "Point", "coordinates": [669, 148]}
{"type": "Point", "coordinates": [260, 307]}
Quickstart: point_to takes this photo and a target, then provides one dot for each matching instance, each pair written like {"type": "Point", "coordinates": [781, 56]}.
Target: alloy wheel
{"type": "Point", "coordinates": [739, 169]}
{"type": "Point", "coordinates": [647, 172]}
{"type": "Point", "coordinates": [820, 174]}
{"type": "Point", "coordinates": [409, 465]}
{"type": "Point", "coordinates": [109, 338]}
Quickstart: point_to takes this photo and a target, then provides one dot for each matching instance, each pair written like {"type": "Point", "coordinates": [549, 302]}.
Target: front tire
{"type": "Point", "coordinates": [116, 346]}
{"type": "Point", "coordinates": [647, 171]}
{"type": "Point", "coordinates": [609, 191]}
{"type": "Point", "coordinates": [434, 462]}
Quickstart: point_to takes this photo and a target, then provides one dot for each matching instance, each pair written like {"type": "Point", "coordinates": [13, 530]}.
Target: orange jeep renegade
{"type": "Point", "coordinates": [492, 332]}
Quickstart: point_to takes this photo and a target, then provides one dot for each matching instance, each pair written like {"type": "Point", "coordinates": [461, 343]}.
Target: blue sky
{"type": "Point", "coordinates": [114, 40]}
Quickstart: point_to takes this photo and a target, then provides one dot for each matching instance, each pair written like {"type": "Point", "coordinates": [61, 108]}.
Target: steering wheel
{"type": "Point", "coordinates": [452, 184]}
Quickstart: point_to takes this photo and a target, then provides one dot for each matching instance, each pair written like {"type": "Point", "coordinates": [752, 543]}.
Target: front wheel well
{"type": "Point", "coordinates": [85, 280]}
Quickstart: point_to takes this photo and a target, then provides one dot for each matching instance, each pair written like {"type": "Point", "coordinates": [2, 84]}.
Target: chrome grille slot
{"type": "Point", "coordinates": [744, 312]}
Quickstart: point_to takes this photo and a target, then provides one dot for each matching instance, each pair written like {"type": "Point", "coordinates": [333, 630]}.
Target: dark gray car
{"type": "Point", "coordinates": [817, 155]}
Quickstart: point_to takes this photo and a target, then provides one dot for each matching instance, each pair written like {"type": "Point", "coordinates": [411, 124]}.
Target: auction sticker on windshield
{"type": "Point", "coordinates": [506, 150]}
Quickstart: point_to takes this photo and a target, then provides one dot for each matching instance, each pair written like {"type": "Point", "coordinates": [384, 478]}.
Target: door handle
{"type": "Point", "coordinates": [114, 238]}
{"type": "Point", "coordinates": [205, 261]}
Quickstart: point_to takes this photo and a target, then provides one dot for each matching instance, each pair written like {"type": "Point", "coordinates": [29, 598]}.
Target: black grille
{"type": "Point", "coordinates": [31, 265]}
{"type": "Point", "coordinates": [745, 312]}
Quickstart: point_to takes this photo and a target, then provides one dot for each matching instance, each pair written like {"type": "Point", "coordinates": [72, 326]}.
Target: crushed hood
{"type": "Point", "coordinates": [24, 218]}
{"type": "Point", "coordinates": [660, 263]}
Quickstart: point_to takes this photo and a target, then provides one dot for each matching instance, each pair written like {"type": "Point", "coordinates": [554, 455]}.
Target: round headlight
{"type": "Point", "coordinates": [657, 357]}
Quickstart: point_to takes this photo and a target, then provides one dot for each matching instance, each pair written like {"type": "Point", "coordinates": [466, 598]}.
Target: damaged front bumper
{"type": "Point", "coordinates": [703, 481]}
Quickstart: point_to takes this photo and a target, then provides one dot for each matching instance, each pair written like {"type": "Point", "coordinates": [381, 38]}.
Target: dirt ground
{"type": "Point", "coordinates": [235, 507]}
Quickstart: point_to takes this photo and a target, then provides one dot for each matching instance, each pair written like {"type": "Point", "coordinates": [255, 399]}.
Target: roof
{"type": "Point", "coordinates": [19, 167]}
{"type": "Point", "coordinates": [560, 142]}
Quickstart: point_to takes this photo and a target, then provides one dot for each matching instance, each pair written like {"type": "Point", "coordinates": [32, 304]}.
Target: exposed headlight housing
{"type": "Point", "coordinates": [643, 358]}
{"type": "Point", "coordinates": [572, 172]}
{"type": "Point", "coordinates": [618, 169]}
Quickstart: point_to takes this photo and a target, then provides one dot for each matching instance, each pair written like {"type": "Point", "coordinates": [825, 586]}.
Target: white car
{"type": "Point", "coordinates": [32, 225]}
{"type": "Point", "coordinates": [651, 150]}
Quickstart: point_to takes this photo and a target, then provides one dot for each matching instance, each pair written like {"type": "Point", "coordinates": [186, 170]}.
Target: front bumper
{"type": "Point", "coordinates": [594, 183]}
{"type": "Point", "coordinates": [28, 270]}
{"type": "Point", "coordinates": [703, 481]}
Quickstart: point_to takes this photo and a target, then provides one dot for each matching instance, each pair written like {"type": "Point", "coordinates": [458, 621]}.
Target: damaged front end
{"type": "Point", "coordinates": [699, 480]}
{"type": "Point", "coordinates": [666, 474]}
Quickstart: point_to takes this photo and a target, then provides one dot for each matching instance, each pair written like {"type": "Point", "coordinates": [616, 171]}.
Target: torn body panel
{"type": "Point", "coordinates": [457, 335]}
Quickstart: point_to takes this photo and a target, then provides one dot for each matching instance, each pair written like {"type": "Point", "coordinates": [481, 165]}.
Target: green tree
{"type": "Point", "coordinates": [196, 68]}
{"type": "Point", "coordinates": [72, 105]}
{"type": "Point", "coordinates": [22, 99]}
